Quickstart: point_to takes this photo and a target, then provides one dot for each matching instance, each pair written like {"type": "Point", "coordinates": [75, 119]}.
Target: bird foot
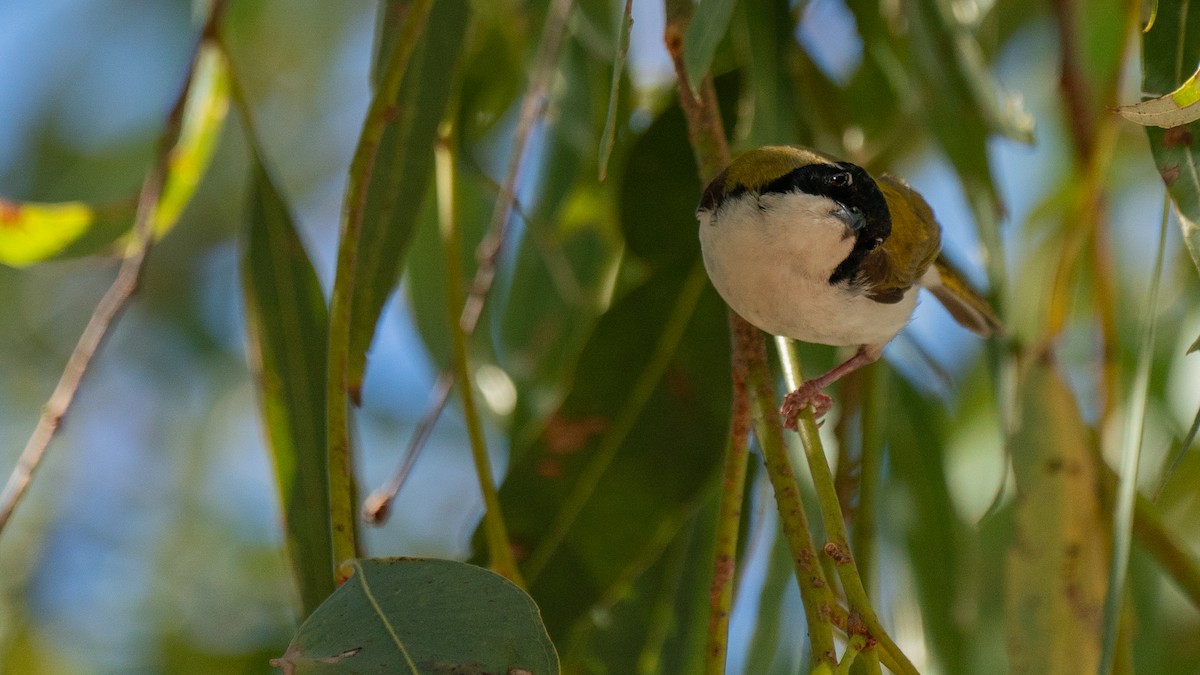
{"type": "Point", "coordinates": [809, 394]}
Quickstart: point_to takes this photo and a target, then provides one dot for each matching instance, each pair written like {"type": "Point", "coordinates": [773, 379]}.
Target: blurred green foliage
{"type": "Point", "coordinates": [150, 541]}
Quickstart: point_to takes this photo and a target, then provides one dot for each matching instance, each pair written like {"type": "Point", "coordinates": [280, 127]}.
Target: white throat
{"type": "Point", "coordinates": [770, 257]}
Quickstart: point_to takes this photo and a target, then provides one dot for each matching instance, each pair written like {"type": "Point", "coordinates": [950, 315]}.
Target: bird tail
{"type": "Point", "coordinates": [964, 303]}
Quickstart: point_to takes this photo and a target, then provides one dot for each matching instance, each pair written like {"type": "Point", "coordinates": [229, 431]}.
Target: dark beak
{"type": "Point", "coordinates": [851, 216]}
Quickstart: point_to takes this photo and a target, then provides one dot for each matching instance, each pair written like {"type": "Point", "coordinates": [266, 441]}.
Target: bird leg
{"type": "Point", "coordinates": [810, 392]}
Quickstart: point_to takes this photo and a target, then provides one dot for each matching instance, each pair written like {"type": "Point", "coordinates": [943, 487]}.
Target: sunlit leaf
{"type": "Point", "coordinates": [287, 324]}
{"type": "Point", "coordinates": [1057, 563]}
{"type": "Point", "coordinates": [203, 119]}
{"type": "Point", "coordinates": [1170, 110]}
{"type": "Point", "coordinates": [33, 232]}
{"type": "Point", "coordinates": [1174, 40]}
{"type": "Point", "coordinates": [709, 24]}
{"type": "Point", "coordinates": [401, 175]}
{"type": "Point", "coordinates": [413, 615]}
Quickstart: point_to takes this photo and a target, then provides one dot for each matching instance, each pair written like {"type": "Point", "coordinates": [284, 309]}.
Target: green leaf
{"type": "Point", "coordinates": [1172, 42]}
{"type": "Point", "coordinates": [33, 232]}
{"type": "Point", "coordinates": [937, 535]}
{"type": "Point", "coordinates": [413, 615]}
{"type": "Point", "coordinates": [1169, 110]}
{"type": "Point", "coordinates": [1057, 563]}
{"type": "Point", "coordinates": [769, 42]}
{"type": "Point", "coordinates": [400, 179]}
{"type": "Point", "coordinates": [631, 450]}
{"type": "Point", "coordinates": [610, 122]}
{"type": "Point", "coordinates": [287, 325]}
{"type": "Point", "coordinates": [709, 24]}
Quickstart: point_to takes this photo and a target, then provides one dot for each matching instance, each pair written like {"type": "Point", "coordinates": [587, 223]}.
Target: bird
{"type": "Point", "coordinates": [809, 247]}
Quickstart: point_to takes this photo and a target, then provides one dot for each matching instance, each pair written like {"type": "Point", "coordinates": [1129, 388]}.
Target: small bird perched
{"type": "Point", "coordinates": [811, 248]}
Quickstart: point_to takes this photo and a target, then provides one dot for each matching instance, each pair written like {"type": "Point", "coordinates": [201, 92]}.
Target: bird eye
{"type": "Point", "coordinates": [841, 179]}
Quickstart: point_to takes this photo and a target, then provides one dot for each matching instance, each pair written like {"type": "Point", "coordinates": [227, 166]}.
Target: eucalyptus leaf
{"type": "Point", "coordinates": [1057, 563]}
{"type": "Point", "coordinates": [400, 179]}
{"type": "Point", "coordinates": [413, 615]}
{"type": "Point", "coordinates": [1177, 108]}
{"type": "Point", "coordinates": [1172, 41]}
{"type": "Point", "coordinates": [287, 326]}
{"type": "Point", "coordinates": [709, 23]}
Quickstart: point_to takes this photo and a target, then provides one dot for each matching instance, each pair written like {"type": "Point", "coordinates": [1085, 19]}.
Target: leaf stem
{"type": "Point", "coordinates": [114, 300]}
{"type": "Point", "coordinates": [379, 115]}
{"type": "Point", "coordinates": [499, 549]}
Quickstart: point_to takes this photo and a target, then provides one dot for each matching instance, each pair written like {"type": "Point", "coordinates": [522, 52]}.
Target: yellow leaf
{"type": "Point", "coordinates": [31, 232]}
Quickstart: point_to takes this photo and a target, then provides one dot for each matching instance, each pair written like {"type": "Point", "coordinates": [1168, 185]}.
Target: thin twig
{"type": "Point", "coordinates": [533, 107]}
{"type": "Point", "coordinates": [111, 305]}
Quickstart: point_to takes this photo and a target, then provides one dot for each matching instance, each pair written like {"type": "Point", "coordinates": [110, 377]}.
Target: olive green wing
{"type": "Point", "coordinates": [905, 256]}
{"type": "Point", "coordinates": [964, 303]}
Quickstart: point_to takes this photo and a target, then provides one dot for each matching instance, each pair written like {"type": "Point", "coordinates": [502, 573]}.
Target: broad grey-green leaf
{"type": "Point", "coordinates": [400, 179]}
{"type": "Point", "coordinates": [413, 615]}
{"type": "Point", "coordinates": [1057, 563]}
{"type": "Point", "coordinates": [287, 324]}
{"type": "Point", "coordinates": [1172, 42]}
{"type": "Point", "coordinates": [709, 24]}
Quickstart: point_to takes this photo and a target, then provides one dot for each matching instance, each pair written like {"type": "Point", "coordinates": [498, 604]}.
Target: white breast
{"type": "Point", "coordinates": [771, 257]}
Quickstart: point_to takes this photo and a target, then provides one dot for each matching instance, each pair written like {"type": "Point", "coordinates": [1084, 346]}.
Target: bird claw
{"type": "Point", "coordinates": [809, 394]}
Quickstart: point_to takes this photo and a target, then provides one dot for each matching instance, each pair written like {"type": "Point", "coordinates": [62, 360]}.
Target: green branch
{"type": "Point", "coordinates": [499, 549]}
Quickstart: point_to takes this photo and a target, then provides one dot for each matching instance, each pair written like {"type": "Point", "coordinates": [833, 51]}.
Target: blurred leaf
{"type": "Point", "coordinates": [610, 123]}
{"type": "Point", "coordinates": [605, 479]}
{"type": "Point", "coordinates": [1174, 40]}
{"type": "Point", "coordinates": [936, 537]}
{"type": "Point", "coordinates": [400, 178]}
{"type": "Point", "coordinates": [287, 325]}
{"type": "Point", "coordinates": [602, 487]}
{"type": "Point", "coordinates": [203, 118]}
{"type": "Point", "coordinates": [709, 23]}
{"type": "Point", "coordinates": [658, 623]}
{"type": "Point", "coordinates": [33, 232]}
{"type": "Point", "coordinates": [566, 253]}
{"type": "Point", "coordinates": [413, 615]}
{"type": "Point", "coordinates": [768, 39]}
{"type": "Point", "coordinates": [1057, 563]}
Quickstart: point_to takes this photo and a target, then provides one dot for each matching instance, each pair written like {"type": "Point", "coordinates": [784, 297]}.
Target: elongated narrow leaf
{"type": "Point", "coordinates": [33, 232]}
{"type": "Point", "coordinates": [412, 615]}
{"type": "Point", "coordinates": [610, 122]}
{"type": "Point", "coordinates": [709, 24]}
{"type": "Point", "coordinates": [1169, 110]}
{"type": "Point", "coordinates": [400, 178]}
{"type": "Point", "coordinates": [1171, 43]}
{"type": "Point", "coordinates": [287, 324]}
{"type": "Point", "coordinates": [1058, 559]}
